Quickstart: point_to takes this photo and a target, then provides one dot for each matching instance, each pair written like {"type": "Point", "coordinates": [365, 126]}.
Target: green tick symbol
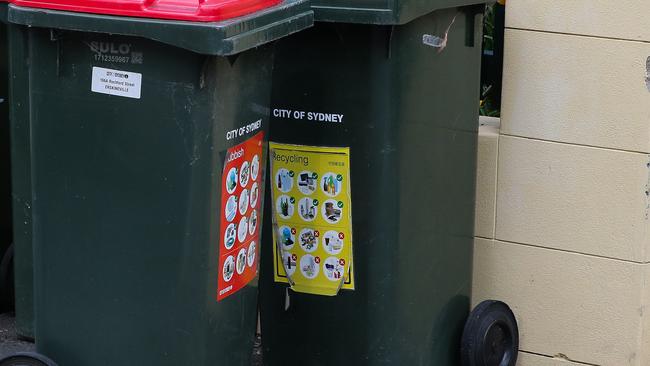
{"type": "Point", "coordinates": [340, 204]}
{"type": "Point", "coordinates": [315, 202]}
{"type": "Point", "coordinates": [292, 200]}
{"type": "Point", "coordinates": [339, 177]}
{"type": "Point", "coordinates": [291, 173]}
{"type": "Point", "coordinates": [314, 175]}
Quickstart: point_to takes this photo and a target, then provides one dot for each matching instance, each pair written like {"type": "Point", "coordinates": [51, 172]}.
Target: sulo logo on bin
{"type": "Point", "coordinates": [110, 48]}
{"type": "Point", "coordinates": [115, 52]}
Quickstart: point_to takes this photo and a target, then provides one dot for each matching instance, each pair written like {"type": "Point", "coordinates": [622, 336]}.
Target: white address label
{"type": "Point", "coordinates": [116, 82]}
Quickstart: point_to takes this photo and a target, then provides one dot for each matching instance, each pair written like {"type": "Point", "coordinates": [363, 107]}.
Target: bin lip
{"type": "Point", "coordinates": [223, 38]}
{"type": "Point", "coordinates": [190, 10]}
{"type": "Point", "coordinates": [392, 12]}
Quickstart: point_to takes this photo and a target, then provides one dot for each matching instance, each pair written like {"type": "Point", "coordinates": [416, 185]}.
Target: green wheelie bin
{"type": "Point", "coordinates": [21, 253]}
{"type": "Point", "coordinates": [148, 128]}
{"type": "Point", "coordinates": [6, 276]}
{"type": "Point", "coordinates": [367, 252]}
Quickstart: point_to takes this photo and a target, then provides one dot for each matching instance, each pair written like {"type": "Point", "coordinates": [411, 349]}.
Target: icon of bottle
{"type": "Point", "coordinates": [284, 207]}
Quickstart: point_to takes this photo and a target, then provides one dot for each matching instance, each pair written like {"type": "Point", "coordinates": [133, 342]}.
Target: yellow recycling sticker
{"type": "Point", "coordinates": [312, 218]}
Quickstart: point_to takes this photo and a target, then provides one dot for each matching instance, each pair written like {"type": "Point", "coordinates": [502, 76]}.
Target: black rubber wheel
{"type": "Point", "coordinates": [7, 280]}
{"type": "Point", "coordinates": [490, 337]}
{"type": "Point", "coordinates": [26, 359]}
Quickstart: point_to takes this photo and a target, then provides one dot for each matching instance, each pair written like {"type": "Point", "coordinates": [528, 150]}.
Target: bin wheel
{"type": "Point", "coordinates": [490, 337]}
{"type": "Point", "coordinates": [26, 359]}
{"type": "Point", "coordinates": [7, 280]}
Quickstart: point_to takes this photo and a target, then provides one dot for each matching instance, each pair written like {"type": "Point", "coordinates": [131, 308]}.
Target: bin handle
{"type": "Point", "coordinates": [470, 20]}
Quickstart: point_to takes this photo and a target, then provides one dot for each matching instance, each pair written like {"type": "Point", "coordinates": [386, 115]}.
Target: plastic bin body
{"type": "Point", "coordinates": [411, 117]}
{"type": "Point", "coordinates": [21, 189]}
{"type": "Point", "coordinates": [127, 191]}
{"type": "Point", "coordinates": [5, 185]}
{"type": "Point", "coordinates": [5, 166]}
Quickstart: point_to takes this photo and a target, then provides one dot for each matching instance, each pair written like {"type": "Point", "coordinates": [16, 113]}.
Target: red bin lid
{"type": "Point", "coordinates": [190, 10]}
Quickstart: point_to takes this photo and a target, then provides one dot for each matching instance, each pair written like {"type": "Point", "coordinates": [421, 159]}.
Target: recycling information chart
{"type": "Point", "coordinates": [312, 218]}
{"type": "Point", "coordinates": [242, 191]}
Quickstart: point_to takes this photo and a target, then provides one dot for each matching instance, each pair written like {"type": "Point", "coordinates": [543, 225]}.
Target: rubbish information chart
{"type": "Point", "coordinates": [242, 191]}
{"type": "Point", "coordinates": [312, 217]}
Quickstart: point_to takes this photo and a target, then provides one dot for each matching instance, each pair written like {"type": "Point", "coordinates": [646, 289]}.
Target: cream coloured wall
{"type": "Point", "coordinates": [563, 216]}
